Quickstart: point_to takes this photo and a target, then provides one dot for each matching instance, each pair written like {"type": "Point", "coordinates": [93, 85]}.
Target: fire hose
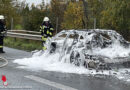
{"type": "Point", "coordinates": [4, 60]}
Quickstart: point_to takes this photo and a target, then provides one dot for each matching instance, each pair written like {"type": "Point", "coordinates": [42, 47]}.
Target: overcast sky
{"type": "Point", "coordinates": [35, 1]}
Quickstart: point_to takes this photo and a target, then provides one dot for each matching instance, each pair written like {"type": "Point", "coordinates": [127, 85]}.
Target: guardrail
{"type": "Point", "coordinates": [24, 31]}
{"type": "Point", "coordinates": [15, 33]}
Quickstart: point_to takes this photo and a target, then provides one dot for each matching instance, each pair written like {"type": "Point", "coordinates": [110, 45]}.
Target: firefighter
{"type": "Point", "coordinates": [2, 32]}
{"type": "Point", "coordinates": [46, 30]}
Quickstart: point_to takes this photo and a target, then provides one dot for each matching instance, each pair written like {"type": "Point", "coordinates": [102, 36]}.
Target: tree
{"type": "Point", "coordinates": [74, 16]}
{"type": "Point", "coordinates": [7, 8]}
{"type": "Point", "coordinates": [32, 17]}
{"type": "Point", "coordinates": [95, 8]}
{"type": "Point", "coordinates": [56, 13]}
{"type": "Point", "coordinates": [116, 15]}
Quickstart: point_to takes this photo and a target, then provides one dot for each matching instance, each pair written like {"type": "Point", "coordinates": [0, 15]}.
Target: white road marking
{"type": "Point", "coordinates": [50, 83]}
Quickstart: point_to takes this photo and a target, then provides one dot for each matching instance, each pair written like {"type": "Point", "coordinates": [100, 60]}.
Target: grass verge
{"type": "Point", "coordinates": [23, 44]}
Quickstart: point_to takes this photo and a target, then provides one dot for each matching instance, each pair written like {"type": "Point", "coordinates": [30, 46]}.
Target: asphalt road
{"type": "Point", "coordinates": [20, 79]}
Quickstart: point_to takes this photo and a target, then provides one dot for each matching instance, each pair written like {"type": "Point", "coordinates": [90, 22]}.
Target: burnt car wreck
{"type": "Point", "coordinates": [82, 47]}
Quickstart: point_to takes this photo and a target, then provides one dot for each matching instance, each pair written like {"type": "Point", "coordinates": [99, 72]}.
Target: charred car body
{"type": "Point", "coordinates": [77, 47]}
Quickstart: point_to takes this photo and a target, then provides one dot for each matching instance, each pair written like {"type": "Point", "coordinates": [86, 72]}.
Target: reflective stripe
{"type": "Point", "coordinates": [44, 48]}
{"type": "Point", "coordinates": [43, 38]}
{"type": "Point", "coordinates": [1, 46]}
{"type": "Point", "coordinates": [42, 28]}
{"type": "Point", "coordinates": [50, 33]}
{"type": "Point", "coordinates": [51, 29]}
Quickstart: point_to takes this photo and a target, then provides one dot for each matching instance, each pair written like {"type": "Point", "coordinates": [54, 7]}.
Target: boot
{"type": "Point", "coordinates": [2, 51]}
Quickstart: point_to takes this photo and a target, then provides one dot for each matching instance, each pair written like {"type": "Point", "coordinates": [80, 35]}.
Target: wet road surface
{"type": "Point", "coordinates": [20, 79]}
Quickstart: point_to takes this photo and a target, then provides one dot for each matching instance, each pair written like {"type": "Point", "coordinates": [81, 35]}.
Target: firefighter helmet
{"type": "Point", "coordinates": [2, 17]}
{"type": "Point", "coordinates": [46, 19]}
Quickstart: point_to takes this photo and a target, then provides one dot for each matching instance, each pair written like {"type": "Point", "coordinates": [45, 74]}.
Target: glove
{"type": "Point", "coordinates": [44, 35]}
{"type": "Point", "coordinates": [3, 32]}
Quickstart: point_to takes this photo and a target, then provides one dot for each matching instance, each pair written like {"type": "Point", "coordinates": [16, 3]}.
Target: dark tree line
{"type": "Point", "coordinates": [69, 14]}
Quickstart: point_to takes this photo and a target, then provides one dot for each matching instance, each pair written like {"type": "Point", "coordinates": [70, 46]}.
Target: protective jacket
{"type": "Point", "coordinates": [2, 34]}
{"type": "Point", "coordinates": [2, 27]}
{"type": "Point", "coordinates": [46, 30]}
